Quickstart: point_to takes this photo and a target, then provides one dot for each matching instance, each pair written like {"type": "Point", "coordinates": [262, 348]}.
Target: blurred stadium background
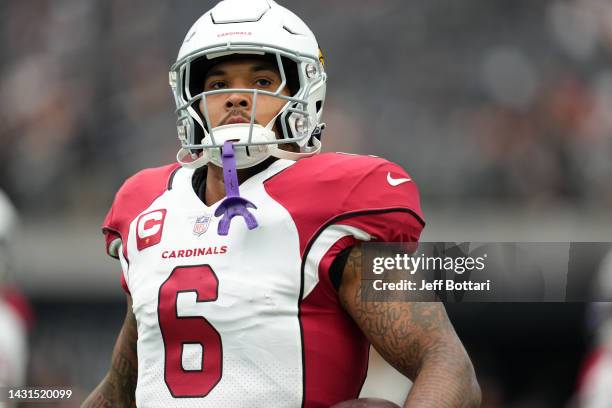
{"type": "Point", "coordinates": [500, 110]}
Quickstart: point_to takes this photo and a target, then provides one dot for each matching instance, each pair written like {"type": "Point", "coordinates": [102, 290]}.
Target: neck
{"type": "Point", "coordinates": [215, 185]}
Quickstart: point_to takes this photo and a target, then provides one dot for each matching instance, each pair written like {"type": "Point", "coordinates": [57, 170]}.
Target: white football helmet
{"type": "Point", "coordinates": [255, 27]}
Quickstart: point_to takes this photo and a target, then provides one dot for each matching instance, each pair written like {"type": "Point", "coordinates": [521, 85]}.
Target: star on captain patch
{"type": "Point", "coordinates": [201, 225]}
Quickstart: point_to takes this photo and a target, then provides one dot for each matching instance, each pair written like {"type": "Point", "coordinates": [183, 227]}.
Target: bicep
{"type": "Point", "coordinates": [402, 332]}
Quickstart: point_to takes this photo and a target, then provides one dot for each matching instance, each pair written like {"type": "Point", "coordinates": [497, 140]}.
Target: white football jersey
{"type": "Point", "coordinates": [252, 319]}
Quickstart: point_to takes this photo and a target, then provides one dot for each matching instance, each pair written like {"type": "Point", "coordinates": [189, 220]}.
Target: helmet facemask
{"type": "Point", "coordinates": [297, 121]}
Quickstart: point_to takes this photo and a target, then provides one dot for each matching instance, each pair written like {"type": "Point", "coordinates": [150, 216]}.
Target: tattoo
{"type": "Point", "coordinates": [401, 331]}
{"type": "Point", "coordinates": [119, 386]}
{"type": "Point", "coordinates": [415, 337]}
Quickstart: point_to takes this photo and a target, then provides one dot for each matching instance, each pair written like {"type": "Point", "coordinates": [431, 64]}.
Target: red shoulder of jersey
{"type": "Point", "coordinates": [135, 195]}
{"type": "Point", "coordinates": [367, 192]}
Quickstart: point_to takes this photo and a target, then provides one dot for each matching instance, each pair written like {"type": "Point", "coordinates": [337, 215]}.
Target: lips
{"type": "Point", "coordinates": [236, 119]}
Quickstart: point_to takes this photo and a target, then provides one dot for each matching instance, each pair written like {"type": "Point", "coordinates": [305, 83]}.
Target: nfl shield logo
{"type": "Point", "coordinates": [201, 225]}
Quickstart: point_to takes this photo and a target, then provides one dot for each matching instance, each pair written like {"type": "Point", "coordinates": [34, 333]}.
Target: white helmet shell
{"type": "Point", "coordinates": [259, 27]}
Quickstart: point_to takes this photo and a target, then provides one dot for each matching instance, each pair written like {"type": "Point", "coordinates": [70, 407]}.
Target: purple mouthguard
{"type": "Point", "coordinates": [233, 204]}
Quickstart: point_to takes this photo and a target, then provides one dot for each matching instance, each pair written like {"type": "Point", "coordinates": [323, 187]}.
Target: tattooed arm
{"type": "Point", "coordinates": [118, 388]}
{"type": "Point", "coordinates": [417, 339]}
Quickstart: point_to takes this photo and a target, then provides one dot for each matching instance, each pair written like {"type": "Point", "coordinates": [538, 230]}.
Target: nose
{"type": "Point", "coordinates": [237, 101]}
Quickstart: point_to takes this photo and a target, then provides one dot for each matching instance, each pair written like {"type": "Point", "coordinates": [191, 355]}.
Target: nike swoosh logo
{"type": "Point", "coordinates": [396, 182]}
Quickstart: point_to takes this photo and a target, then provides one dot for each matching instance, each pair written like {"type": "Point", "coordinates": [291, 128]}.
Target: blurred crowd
{"type": "Point", "coordinates": [480, 100]}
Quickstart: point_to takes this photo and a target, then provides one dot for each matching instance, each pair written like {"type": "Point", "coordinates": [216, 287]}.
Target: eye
{"type": "Point", "coordinates": [217, 85]}
{"type": "Point", "coordinates": [263, 82]}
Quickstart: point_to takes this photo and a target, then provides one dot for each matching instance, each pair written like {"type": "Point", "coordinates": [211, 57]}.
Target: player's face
{"type": "Point", "coordinates": [230, 108]}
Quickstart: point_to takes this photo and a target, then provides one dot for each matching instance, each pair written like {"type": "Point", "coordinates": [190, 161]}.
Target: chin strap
{"type": "Point", "coordinates": [196, 163]}
{"type": "Point", "coordinates": [233, 204]}
{"type": "Point", "coordinates": [285, 154]}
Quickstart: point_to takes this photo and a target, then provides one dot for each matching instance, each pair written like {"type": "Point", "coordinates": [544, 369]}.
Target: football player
{"type": "Point", "coordinates": [242, 263]}
{"type": "Point", "coordinates": [15, 312]}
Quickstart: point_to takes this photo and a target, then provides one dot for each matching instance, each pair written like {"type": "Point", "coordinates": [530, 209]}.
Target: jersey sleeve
{"type": "Point", "coordinates": [114, 245]}
{"type": "Point", "coordinates": [112, 236]}
{"type": "Point", "coordinates": [383, 204]}
{"type": "Point", "coordinates": [134, 196]}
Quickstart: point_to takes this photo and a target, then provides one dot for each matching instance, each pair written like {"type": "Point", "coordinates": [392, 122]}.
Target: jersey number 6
{"type": "Point", "coordinates": [193, 332]}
